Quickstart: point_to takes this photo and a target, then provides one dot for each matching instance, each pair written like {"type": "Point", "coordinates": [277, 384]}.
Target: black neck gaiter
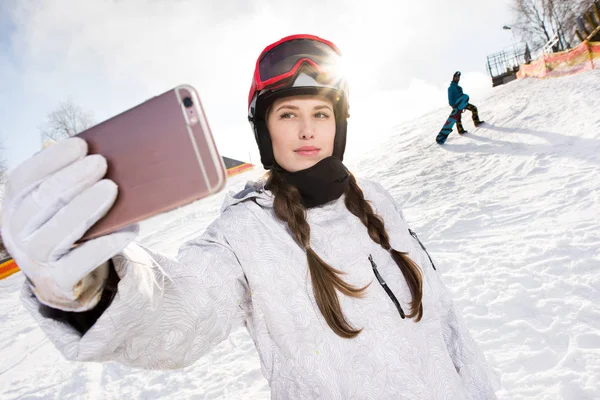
{"type": "Point", "coordinates": [325, 181]}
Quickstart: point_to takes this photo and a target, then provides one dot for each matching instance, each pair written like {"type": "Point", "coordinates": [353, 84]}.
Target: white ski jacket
{"type": "Point", "coordinates": [246, 269]}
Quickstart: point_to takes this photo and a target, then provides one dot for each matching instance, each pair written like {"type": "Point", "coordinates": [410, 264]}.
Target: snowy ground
{"type": "Point", "coordinates": [511, 216]}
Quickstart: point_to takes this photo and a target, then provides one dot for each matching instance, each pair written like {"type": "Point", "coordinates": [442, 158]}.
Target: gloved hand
{"type": "Point", "coordinates": [51, 200]}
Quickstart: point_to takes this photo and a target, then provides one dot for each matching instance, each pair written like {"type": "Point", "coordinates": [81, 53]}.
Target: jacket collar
{"type": "Point", "coordinates": [253, 190]}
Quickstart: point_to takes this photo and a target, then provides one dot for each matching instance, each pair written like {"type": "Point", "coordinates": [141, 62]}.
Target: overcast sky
{"type": "Point", "coordinates": [109, 55]}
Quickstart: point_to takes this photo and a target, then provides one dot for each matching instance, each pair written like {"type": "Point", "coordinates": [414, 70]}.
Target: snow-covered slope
{"type": "Point", "coordinates": [510, 213]}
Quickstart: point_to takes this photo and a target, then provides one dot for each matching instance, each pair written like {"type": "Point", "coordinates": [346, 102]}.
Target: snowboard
{"type": "Point", "coordinates": [447, 128]}
{"type": "Point", "coordinates": [452, 119]}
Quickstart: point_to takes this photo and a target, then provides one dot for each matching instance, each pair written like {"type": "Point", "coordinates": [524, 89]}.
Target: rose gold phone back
{"type": "Point", "coordinates": [159, 159]}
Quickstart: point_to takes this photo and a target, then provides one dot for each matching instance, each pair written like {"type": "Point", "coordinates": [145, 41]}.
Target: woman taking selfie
{"type": "Point", "coordinates": [340, 299]}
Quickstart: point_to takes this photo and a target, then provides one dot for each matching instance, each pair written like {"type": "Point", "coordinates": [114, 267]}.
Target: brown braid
{"type": "Point", "coordinates": [326, 280]}
{"type": "Point", "coordinates": [357, 205]}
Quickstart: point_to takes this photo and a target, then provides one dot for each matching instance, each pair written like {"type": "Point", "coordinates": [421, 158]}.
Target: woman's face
{"type": "Point", "coordinates": [302, 130]}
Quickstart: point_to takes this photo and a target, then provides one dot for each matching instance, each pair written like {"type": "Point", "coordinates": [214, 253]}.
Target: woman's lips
{"type": "Point", "coordinates": [307, 151]}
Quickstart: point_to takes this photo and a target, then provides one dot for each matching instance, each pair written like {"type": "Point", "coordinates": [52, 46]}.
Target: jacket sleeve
{"type": "Point", "coordinates": [479, 380]}
{"type": "Point", "coordinates": [454, 93]}
{"type": "Point", "coordinates": [166, 313]}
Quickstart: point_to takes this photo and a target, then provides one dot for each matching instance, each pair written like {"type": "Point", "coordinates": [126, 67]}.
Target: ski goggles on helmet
{"type": "Point", "coordinates": [283, 60]}
{"type": "Point", "coordinates": [298, 62]}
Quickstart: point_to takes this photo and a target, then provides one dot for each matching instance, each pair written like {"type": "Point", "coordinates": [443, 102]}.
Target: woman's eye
{"type": "Point", "coordinates": [286, 115]}
{"type": "Point", "coordinates": [321, 115]}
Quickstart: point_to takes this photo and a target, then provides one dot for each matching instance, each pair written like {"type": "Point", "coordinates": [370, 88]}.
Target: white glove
{"type": "Point", "coordinates": [50, 201]}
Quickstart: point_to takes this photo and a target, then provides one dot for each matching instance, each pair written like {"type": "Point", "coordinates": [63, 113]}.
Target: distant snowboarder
{"type": "Point", "coordinates": [459, 102]}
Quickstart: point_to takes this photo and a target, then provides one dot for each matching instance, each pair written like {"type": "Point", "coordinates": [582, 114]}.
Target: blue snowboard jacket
{"type": "Point", "coordinates": [454, 93]}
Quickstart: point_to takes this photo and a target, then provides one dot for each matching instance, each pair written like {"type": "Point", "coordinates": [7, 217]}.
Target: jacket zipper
{"type": "Point", "coordinates": [413, 234]}
{"type": "Point", "coordinates": [386, 288]}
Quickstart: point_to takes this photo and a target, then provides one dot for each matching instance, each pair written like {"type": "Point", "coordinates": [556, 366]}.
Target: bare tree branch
{"type": "Point", "coordinates": [539, 20]}
{"type": "Point", "coordinates": [532, 21]}
{"type": "Point", "coordinates": [68, 119]}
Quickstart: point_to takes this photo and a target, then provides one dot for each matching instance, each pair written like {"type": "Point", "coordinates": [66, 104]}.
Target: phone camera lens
{"type": "Point", "coordinates": [187, 102]}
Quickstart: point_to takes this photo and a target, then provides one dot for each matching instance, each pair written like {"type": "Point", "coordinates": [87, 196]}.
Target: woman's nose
{"type": "Point", "coordinates": [307, 129]}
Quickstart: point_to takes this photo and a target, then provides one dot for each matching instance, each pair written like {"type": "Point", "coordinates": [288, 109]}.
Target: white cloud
{"type": "Point", "coordinates": [111, 55]}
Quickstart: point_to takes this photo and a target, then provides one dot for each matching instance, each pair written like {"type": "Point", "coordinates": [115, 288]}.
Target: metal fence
{"type": "Point", "coordinates": [503, 65]}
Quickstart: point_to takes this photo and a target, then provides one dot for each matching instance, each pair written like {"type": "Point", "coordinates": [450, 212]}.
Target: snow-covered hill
{"type": "Point", "coordinates": [510, 213]}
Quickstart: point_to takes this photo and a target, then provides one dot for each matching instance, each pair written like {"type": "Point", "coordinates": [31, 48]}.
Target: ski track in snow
{"type": "Point", "coordinates": [510, 213]}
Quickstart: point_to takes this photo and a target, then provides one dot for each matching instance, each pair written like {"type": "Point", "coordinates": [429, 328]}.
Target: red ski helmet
{"type": "Point", "coordinates": [297, 65]}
